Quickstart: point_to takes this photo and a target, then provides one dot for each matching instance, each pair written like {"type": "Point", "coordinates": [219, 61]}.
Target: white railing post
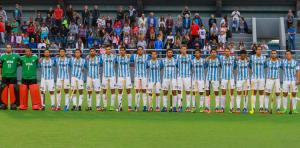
{"type": "Point", "coordinates": [282, 34]}
{"type": "Point", "coordinates": [254, 33]}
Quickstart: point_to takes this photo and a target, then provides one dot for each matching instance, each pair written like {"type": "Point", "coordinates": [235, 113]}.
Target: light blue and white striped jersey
{"type": "Point", "coordinates": [258, 65]}
{"type": "Point", "coordinates": [140, 65]}
{"type": "Point", "coordinates": [108, 64]}
{"type": "Point", "coordinates": [242, 67]}
{"type": "Point", "coordinates": [63, 65]}
{"type": "Point", "coordinates": [213, 69]}
{"type": "Point", "coordinates": [77, 66]}
{"type": "Point", "coordinates": [93, 66]}
{"type": "Point", "coordinates": [198, 67]}
{"type": "Point", "coordinates": [46, 67]}
{"type": "Point", "coordinates": [184, 64]}
{"type": "Point", "coordinates": [290, 69]}
{"type": "Point", "coordinates": [273, 68]}
{"type": "Point", "coordinates": [170, 68]}
{"type": "Point", "coordinates": [154, 71]}
{"type": "Point", "coordinates": [123, 66]}
{"type": "Point", "coordinates": [227, 66]}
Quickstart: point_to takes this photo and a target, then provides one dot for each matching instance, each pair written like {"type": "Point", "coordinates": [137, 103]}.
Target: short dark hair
{"type": "Point", "coordinates": [213, 50]}
{"type": "Point", "coordinates": [169, 49]}
{"type": "Point", "coordinates": [273, 50]}
{"type": "Point", "coordinates": [197, 50]}
{"type": "Point", "coordinates": [28, 48]}
{"type": "Point", "coordinates": [140, 47]}
{"type": "Point", "coordinates": [243, 52]}
{"type": "Point", "coordinates": [92, 48]}
{"type": "Point", "coordinates": [60, 49]}
{"type": "Point", "coordinates": [122, 47]}
{"type": "Point", "coordinates": [290, 51]}
{"type": "Point", "coordinates": [78, 50]}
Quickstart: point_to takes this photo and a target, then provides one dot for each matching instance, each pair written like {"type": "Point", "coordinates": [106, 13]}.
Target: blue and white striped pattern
{"type": "Point", "coordinates": [77, 68]}
{"type": "Point", "coordinates": [213, 70]}
{"type": "Point", "coordinates": [227, 65]}
{"type": "Point", "coordinates": [108, 62]}
{"type": "Point", "coordinates": [93, 66]}
{"type": "Point", "coordinates": [46, 67]}
{"type": "Point", "coordinates": [170, 68]}
{"type": "Point", "coordinates": [290, 69]}
{"type": "Point", "coordinates": [140, 64]}
{"type": "Point", "coordinates": [184, 64]}
{"type": "Point", "coordinates": [198, 69]}
{"type": "Point", "coordinates": [258, 66]}
{"type": "Point", "coordinates": [123, 66]}
{"type": "Point", "coordinates": [242, 69]}
{"type": "Point", "coordinates": [154, 71]}
{"type": "Point", "coordinates": [273, 69]}
{"type": "Point", "coordinates": [63, 65]}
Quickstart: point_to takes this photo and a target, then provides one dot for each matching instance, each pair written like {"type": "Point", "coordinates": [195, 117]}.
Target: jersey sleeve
{"type": "Point", "coordinates": [132, 58]}
{"type": "Point", "coordinates": [297, 66]}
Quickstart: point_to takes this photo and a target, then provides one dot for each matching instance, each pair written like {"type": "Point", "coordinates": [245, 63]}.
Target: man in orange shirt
{"type": "Point", "coordinates": [58, 15]}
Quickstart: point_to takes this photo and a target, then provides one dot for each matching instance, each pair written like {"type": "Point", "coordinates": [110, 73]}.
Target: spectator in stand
{"type": "Point", "coordinates": [95, 16]}
{"type": "Point", "coordinates": [85, 15]}
{"type": "Point", "coordinates": [143, 29]}
{"type": "Point", "coordinates": [25, 40]}
{"type": "Point", "coordinates": [32, 44]}
{"type": "Point", "coordinates": [2, 31]}
{"type": "Point", "coordinates": [214, 32]}
{"type": "Point", "coordinates": [222, 34]}
{"type": "Point", "coordinates": [126, 29]}
{"type": "Point", "coordinates": [141, 42]}
{"type": "Point", "coordinates": [31, 31]}
{"type": "Point", "coordinates": [14, 26]}
{"type": "Point", "coordinates": [241, 45]}
{"type": "Point", "coordinates": [107, 39]}
{"type": "Point", "coordinates": [132, 15]}
{"type": "Point", "coordinates": [194, 30]}
{"type": "Point", "coordinates": [3, 14]}
{"type": "Point", "coordinates": [82, 33]}
{"type": "Point", "coordinates": [151, 20]}
{"type": "Point", "coordinates": [202, 35]}
{"type": "Point", "coordinates": [101, 23]}
{"type": "Point", "coordinates": [42, 44]}
{"type": "Point", "coordinates": [58, 15]}
{"type": "Point", "coordinates": [253, 48]}
{"type": "Point", "coordinates": [291, 38]}
{"type": "Point", "coordinates": [169, 44]}
{"type": "Point", "coordinates": [7, 28]}
{"type": "Point", "coordinates": [162, 24]}
{"type": "Point", "coordinates": [158, 44]}
{"type": "Point", "coordinates": [212, 20]}
{"type": "Point", "coordinates": [171, 38]}
{"type": "Point", "coordinates": [24, 27]}
{"type": "Point", "coordinates": [115, 40]}
{"type": "Point", "coordinates": [186, 24]}
{"type": "Point", "coordinates": [117, 27]}
{"type": "Point", "coordinates": [206, 48]}
{"type": "Point", "coordinates": [179, 25]}
{"type": "Point", "coordinates": [17, 14]}
{"type": "Point", "coordinates": [90, 40]}
{"type": "Point", "coordinates": [44, 31]}
{"type": "Point", "coordinates": [50, 12]}
{"type": "Point", "coordinates": [142, 20]}
{"type": "Point", "coordinates": [39, 18]}
{"type": "Point", "coordinates": [235, 19]}
{"type": "Point", "coordinates": [169, 24]}
{"type": "Point", "coordinates": [186, 11]}
{"type": "Point", "coordinates": [79, 44]}
{"type": "Point", "coordinates": [71, 40]}
{"type": "Point", "coordinates": [19, 40]}
{"type": "Point", "coordinates": [69, 13]}
{"type": "Point", "coordinates": [232, 47]}
{"type": "Point", "coordinates": [197, 19]}
{"type": "Point", "coordinates": [290, 18]}
{"type": "Point", "coordinates": [73, 28]}
{"type": "Point", "coordinates": [120, 13]}
{"type": "Point", "coordinates": [243, 26]}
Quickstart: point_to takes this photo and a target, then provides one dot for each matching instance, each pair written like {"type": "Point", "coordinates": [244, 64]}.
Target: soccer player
{"type": "Point", "coordinates": [124, 81]}
{"type": "Point", "coordinates": [273, 82]}
{"type": "Point", "coordinates": [63, 77]}
{"type": "Point", "coordinates": [243, 83]}
{"type": "Point", "coordinates": [257, 64]}
{"type": "Point", "coordinates": [109, 79]}
{"type": "Point", "coordinates": [184, 63]}
{"type": "Point", "coordinates": [47, 78]}
{"type": "Point", "coordinates": [93, 80]}
{"type": "Point", "coordinates": [169, 80]}
{"type": "Point", "coordinates": [154, 86]}
{"type": "Point", "coordinates": [291, 78]}
{"type": "Point", "coordinates": [9, 63]}
{"type": "Point", "coordinates": [29, 65]}
{"type": "Point", "coordinates": [198, 67]}
{"type": "Point", "coordinates": [77, 65]}
{"type": "Point", "coordinates": [140, 78]}
{"type": "Point", "coordinates": [212, 79]}
{"type": "Point", "coordinates": [227, 80]}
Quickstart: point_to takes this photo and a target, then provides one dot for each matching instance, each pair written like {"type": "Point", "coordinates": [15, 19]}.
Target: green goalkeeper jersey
{"type": "Point", "coordinates": [29, 66]}
{"type": "Point", "coordinates": [9, 62]}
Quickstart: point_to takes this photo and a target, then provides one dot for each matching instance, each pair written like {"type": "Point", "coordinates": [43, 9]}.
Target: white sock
{"type": "Point", "coordinates": [267, 102]}
{"type": "Point", "coordinates": [245, 101]}
{"type": "Point", "coordinates": [137, 99]}
{"type": "Point", "coordinates": [217, 101]}
{"type": "Point", "coordinates": [144, 97]}
{"type": "Point", "coordinates": [179, 100]}
{"type": "Point", "coordinates": [98, 100]}
{"type": "Point", "coordinates": [52, 97]}
{"type": "Point", "coordinates": [238, 101]}
{"type": "Point", "coordinates": [112, 102]}
{"type": "Point", "coordinates": [42, 98]}
{"type": "Point", "coordinates": [193, 100]}
{"type": "Point", "coordinates": [67, 99]}
{"type": "Point", "coordinates": [278, 102]}
{"type": "Point", "coordinates": [188, 101]}
{"type": "Point", "coordinates": [201, 101]}
{"type": "Point", "coordinates": [150, 101]}
{"type": "Point", "coordinates": [129, 97]}
{"type": "Point", "coordinates": [174, 101]}
{"type": "Point", "coordinates": [231, 101]}
{"type": "Point", "coordinates": [165, 99]}
{"type": "Point", "coordinates": [58, 99]}
{"type": "Point", "coordinates": [74, 100]}
{"type": "Point", "coordinates": [222, 100]}
{"type": "Point", "coordinates": [207, 102]}
{"type": "Point", "coordinates": [120, 99]}
{"type": "Point", "coordinates": [157, 101]}
{"type": "Point", "coordinates": [284, 103]}
{"type": "Point", "coordinates": [261, 101]}
{"type": "Point", "coordinates": [294, 103]}
{"type": "Point", "coordinates": [80, 100]}
{"type": "Point", "coordinates": [89, 100]}
{"type": "Point", "coordinates": [253, 101]}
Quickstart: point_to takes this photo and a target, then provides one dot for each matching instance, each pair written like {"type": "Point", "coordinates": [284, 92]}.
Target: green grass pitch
{"type": "Point", "coordinates": [123, 129]}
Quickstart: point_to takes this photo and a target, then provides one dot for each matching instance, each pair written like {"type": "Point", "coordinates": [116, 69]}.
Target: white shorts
{"type": "Point", "coordinates": [156, 88]}
{"type": "Point", "coordinates": [59, 84]}
{"type": "Point", "coordinates": [242, 85]}
{"type": "Point", "coordinates": [198, 85]}
{"type": "Point", "coordinates": [225, 85]}
{"type": "Point", "coordinates": [286, 86]}
{"type": "Point", "coordinates": [93, 84]}
{"type": "Point", "coordinates": [121, 81]}
{"type": "Point", "coordinates": [184, 83]}
{"type": "Point", "coordinates": [79, 83]}
{"type": "Point", "coordinates": [47, 85]}
{"type": "Point", "coordinates": [270, 83]}
{"type": "Point", "coordinates": [258, 84]}
{"type": "Point", "coordinates": [140, 83]}
{"type": "Point", "coordinates": [169, 84]}
{"type": "Point", "coordinates": [214, 84]}
{"type": "Point", "coordinates": [112, 82]}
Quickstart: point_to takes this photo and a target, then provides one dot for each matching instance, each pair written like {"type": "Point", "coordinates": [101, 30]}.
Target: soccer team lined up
{"type": "Point", "coordinates": [217, 74]}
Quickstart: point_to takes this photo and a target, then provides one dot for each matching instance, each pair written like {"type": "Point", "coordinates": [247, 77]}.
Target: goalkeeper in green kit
{"type": "Point", "coordinates": [8, 74]}
{"type": "Point", "coordinates": [29, 65]}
